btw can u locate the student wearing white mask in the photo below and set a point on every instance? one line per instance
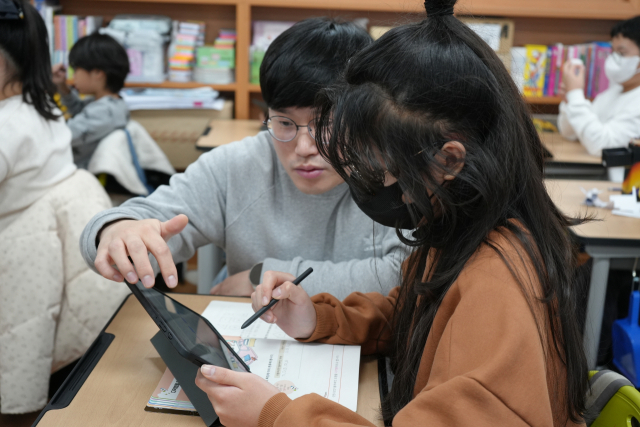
(613, 118)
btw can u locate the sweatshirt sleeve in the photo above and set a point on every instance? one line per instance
(200, 193)
(96, 120)
(375, 274)
(489, 367)
(592, 132)
(73, 102)
(565, 128)
(361, 319)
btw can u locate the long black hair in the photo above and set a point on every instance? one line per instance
(400, 101)
(25, 48)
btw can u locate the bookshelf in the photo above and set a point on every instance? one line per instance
(540, 22)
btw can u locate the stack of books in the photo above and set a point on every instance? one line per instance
(171, 99)
(187, 36)
(537, 69)
(216, 64)
(67, 29)
(264, 32)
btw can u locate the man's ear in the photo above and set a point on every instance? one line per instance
(453, 154)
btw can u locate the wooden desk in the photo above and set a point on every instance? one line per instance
(570, 159)
(118, 388)
(611, 236)
(225, 131)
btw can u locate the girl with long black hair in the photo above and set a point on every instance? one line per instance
(35, 143)
(431, 134)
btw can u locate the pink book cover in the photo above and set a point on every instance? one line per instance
(602, 82)
(82, 28)
(57, 34)
(170, 397)
(562, 57)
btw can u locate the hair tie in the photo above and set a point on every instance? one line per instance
(447, 11)
(9, 10)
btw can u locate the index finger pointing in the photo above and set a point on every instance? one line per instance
(160, 250)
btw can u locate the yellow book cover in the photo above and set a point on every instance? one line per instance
(534, 70)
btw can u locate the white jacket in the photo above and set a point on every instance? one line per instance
(611, 121)
(52, 305)
(113, 156)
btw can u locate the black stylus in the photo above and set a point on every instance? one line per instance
(273, 302)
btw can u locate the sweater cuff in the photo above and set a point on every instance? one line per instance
(575, 96)
(272, 264)
(272, 410)
(326, 325)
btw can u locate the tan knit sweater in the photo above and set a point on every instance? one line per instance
(484, 362)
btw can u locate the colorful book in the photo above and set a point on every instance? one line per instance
(534, 71)
(541, 74)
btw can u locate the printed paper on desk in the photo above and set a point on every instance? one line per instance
(297, 369)
(228, 317)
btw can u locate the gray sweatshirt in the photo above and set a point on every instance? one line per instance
(239, 197)
(92, 121)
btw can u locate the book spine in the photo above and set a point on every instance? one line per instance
(591, 70)
(56, 32)
(63, 33)
(603, 50)
(555, 50)
(535, 70)
(547, 73)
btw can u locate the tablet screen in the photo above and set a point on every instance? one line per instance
(192, 331)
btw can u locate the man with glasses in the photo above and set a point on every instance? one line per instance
(270, 201)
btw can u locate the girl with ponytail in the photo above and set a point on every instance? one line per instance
(431, 134)
(35, 142)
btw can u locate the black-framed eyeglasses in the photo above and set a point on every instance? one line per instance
(284, 129)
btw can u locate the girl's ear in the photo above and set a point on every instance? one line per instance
(453, 154)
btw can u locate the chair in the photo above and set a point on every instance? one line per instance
(612, 400)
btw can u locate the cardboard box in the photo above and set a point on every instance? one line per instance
(176, 131)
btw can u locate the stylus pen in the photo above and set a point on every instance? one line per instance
(273, 302)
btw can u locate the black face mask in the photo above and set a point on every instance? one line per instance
(386, 207)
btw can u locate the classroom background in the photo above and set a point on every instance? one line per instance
(194, 85)
(219, 45)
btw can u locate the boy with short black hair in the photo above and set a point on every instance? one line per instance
(270, 201)
(100, 66)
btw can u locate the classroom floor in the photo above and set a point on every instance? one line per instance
(24, 420)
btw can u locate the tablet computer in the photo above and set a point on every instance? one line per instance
(193, 337)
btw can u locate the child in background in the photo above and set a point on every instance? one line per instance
(100, 66)
(52, 306)
(35, 153)
(613, 119)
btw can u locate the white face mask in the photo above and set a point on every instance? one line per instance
(619, 69)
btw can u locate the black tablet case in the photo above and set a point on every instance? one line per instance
(185, 372)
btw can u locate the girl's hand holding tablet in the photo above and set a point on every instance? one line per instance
(295, 313)
(237, 397)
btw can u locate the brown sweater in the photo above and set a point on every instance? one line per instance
(483, 364)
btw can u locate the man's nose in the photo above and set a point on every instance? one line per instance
(305, 144)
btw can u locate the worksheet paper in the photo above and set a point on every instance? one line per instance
(294, 368)
(227, 317)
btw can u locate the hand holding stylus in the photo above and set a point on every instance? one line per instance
(294, 313)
